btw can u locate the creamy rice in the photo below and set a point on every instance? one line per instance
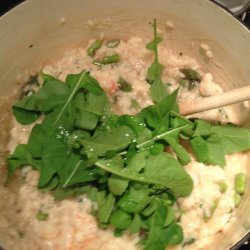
(70, 224)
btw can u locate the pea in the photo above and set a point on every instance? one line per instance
(237, 199)
(222, 186)
(112, 43)
(240, 183)
(42, 216)
(94, 47)
(108, 59)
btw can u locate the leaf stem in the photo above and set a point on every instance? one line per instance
(69, 99)
(72, 173)
(157, 137)
(155, 36)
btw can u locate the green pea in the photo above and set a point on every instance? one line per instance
(240, 183)
(222, 186)
(112, 43)
(108, 59)
(42, 216)
(237, 199)
(212, 210)
(94, 47)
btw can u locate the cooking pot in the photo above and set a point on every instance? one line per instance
(38, 32)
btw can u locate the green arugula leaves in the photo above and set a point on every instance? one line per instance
(158, 89)
(119, 162)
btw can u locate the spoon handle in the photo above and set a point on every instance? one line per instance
(207, 103)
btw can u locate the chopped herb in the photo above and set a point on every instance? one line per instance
(42, 216)
(188, 242)
(191, 78)
(91, 51)
(124, 85)
(135, 104)
(112, 43)
(223, 113)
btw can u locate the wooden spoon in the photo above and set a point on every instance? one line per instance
(207, 103)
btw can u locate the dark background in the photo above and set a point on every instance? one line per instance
(6, 5)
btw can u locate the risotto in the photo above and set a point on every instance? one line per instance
(31, 219)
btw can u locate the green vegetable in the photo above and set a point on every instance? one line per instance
(191, 78)
(42, 216)
(233, 139)
(108, 59)
(191, 74)
(112, 43)
(240, 183)
(158, 89)
(94, 47)
(135, 225)
(222, 186)
(237, 199)
(212, 210)
(119, 162)
(105, 209)
(124, 85)
(120, 219)
(135, 104)
(161, 169)
(188, 242)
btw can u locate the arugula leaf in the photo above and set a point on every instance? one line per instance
(21, 157)
(173, 234)
(64, 193)
(180, 151)
(117, 185)
(51, 95)
(200, 148)
(135, 225)
(233, 139)
(161, 169)
(25, 111)
(157, 116)
(158, 89)
(114, 139)
(54, 156)
(120, 219)
(38, 134)
(155, 240)
(203, 128)
(164, 170)
(208, 151)
(105, 209)
(134, 201)
(216, 154)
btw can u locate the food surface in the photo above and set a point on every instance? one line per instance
(133, 79)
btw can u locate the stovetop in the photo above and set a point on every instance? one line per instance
(243, 16)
